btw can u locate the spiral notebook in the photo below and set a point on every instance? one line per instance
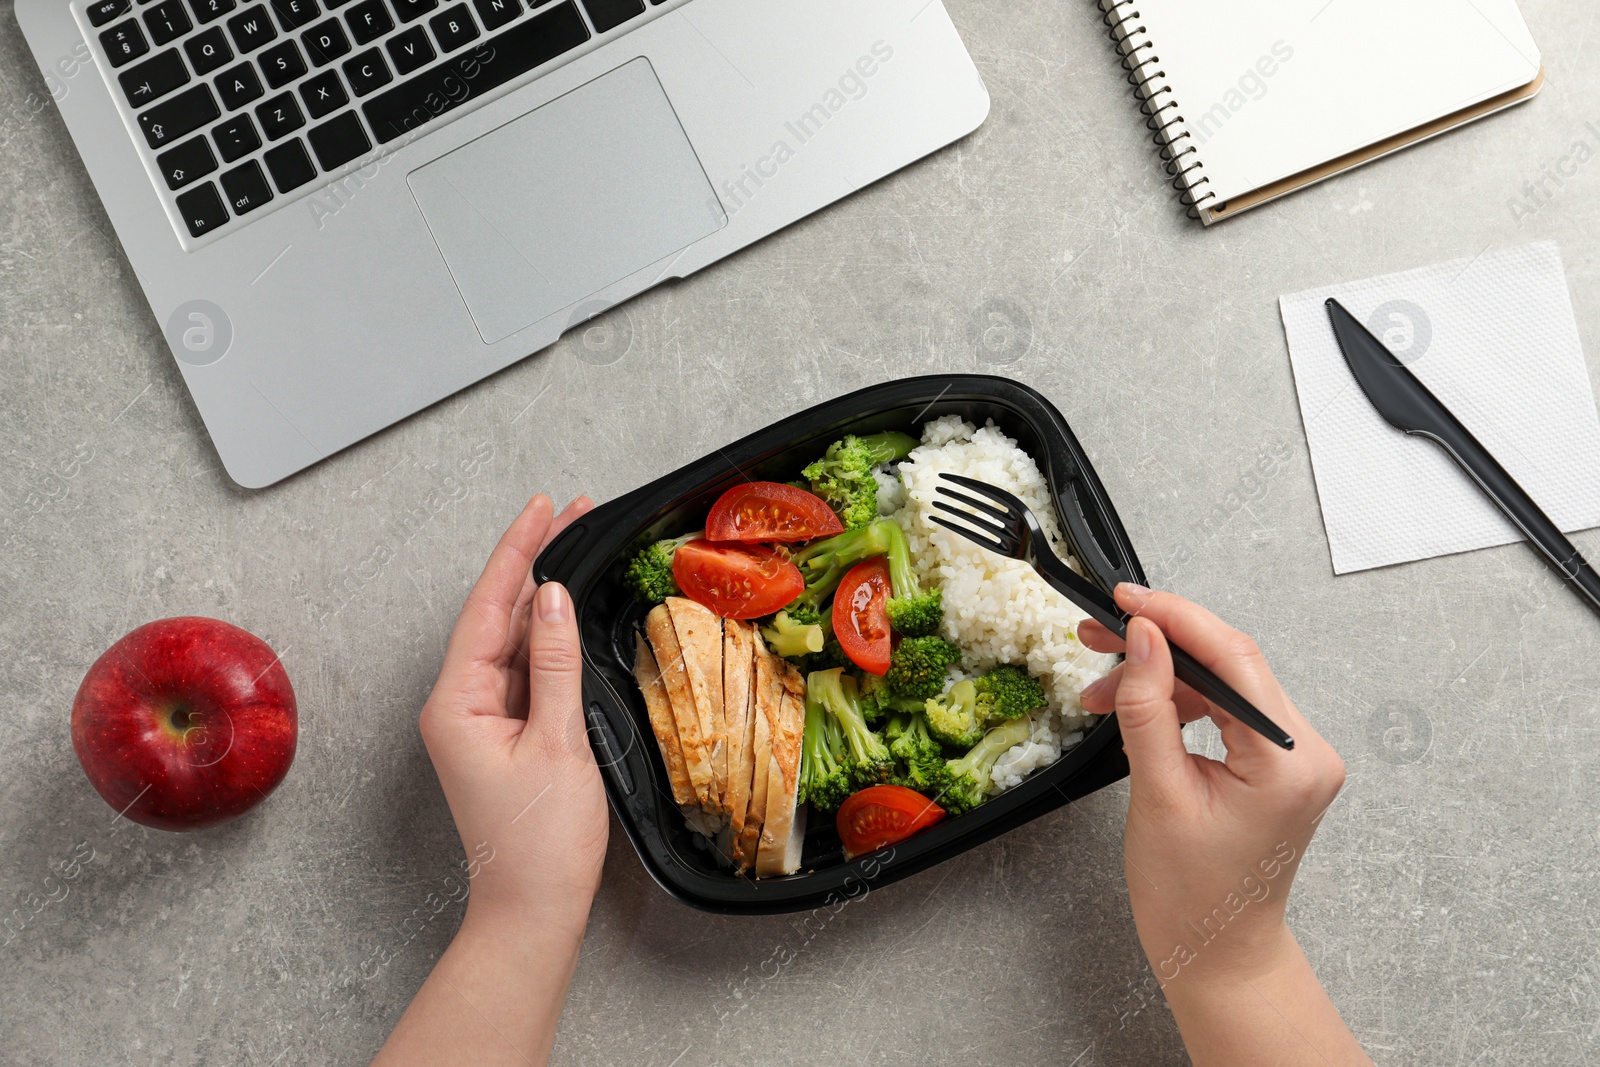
(1252, 99)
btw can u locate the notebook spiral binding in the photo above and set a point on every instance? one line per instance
(1158, 104)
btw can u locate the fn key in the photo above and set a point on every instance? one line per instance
(202, 210)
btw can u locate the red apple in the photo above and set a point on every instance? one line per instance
(185, 723)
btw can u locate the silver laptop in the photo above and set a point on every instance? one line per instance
(342, 211)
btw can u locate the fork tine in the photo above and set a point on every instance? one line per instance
(980, 505)
(987, 526)
(974, 536)
(993, 492)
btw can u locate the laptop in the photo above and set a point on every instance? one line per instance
(342, 211)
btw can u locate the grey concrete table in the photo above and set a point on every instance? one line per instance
(1447, 902)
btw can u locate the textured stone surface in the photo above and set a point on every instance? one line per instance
(1447, 901)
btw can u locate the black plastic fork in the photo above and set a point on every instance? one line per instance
(1003, 524)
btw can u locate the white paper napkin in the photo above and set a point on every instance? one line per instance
(1495, 339)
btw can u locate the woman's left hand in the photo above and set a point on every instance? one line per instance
(505, 730)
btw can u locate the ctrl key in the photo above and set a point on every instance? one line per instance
(202, 210)
(246, 187)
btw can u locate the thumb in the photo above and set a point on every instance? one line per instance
(1147, 715)
(555, 674)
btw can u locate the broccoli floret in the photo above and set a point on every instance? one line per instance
(843, 476)
(824, 781)
(911, 611)
(868, 760)
(953, 717)
(917, 616)
(962, 784)
(806, 616)
(824, 563)
(790, 638)
(896, 727)
(917, 668)
(919, 750)
(1008, 692)
(649, 574)
(874, 697)
(832, 654)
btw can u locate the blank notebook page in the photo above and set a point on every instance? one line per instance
(1344, 74)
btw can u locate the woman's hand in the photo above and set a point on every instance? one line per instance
(1211, 848)
(504, 727)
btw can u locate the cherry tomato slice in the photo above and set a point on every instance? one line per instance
(861, 617)
(882, 815)
(770, 511)
(736, 581)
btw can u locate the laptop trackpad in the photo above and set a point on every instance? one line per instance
(553, 206)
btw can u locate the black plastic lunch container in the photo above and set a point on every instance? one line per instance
(589, 558)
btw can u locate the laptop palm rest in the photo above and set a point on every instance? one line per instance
(566, 200)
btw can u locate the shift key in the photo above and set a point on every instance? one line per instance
(184, 113)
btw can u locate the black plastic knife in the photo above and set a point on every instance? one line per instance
(1407, 404)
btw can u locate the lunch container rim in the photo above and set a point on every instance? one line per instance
(588, 558)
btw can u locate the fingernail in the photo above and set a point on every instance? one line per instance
(1138, 651)
(1133, 589)
(1095, 689)
(551, 603)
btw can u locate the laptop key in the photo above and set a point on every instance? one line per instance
(208, 50)
(413, 9)
(236, 138)
(280, 116)
(104, 11)
(338, 141)
(496, 13)
(609, 14)
(246, 187)
(368, 21)
(289, 165)
(282, 64)
(507, 55)
(202, 210)
(210, 10)
(323, 94)
(410, 50)
(294, 14)
(325, 42)
(167, 21)
(154, 78)
(367, 72)
(186, 163)
(454, 27)
(124, 43)
(169, 120)
(251, 28)
(238, 86)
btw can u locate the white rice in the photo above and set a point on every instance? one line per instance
(999, 610)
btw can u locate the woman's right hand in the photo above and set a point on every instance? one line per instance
(1211, 848)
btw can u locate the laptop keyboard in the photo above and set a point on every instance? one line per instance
(238, 104)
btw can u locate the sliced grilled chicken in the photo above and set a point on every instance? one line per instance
(740, 645)
(670, 660)
(662, 722)
(699, 634)
(768, 692)
(783, 827)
